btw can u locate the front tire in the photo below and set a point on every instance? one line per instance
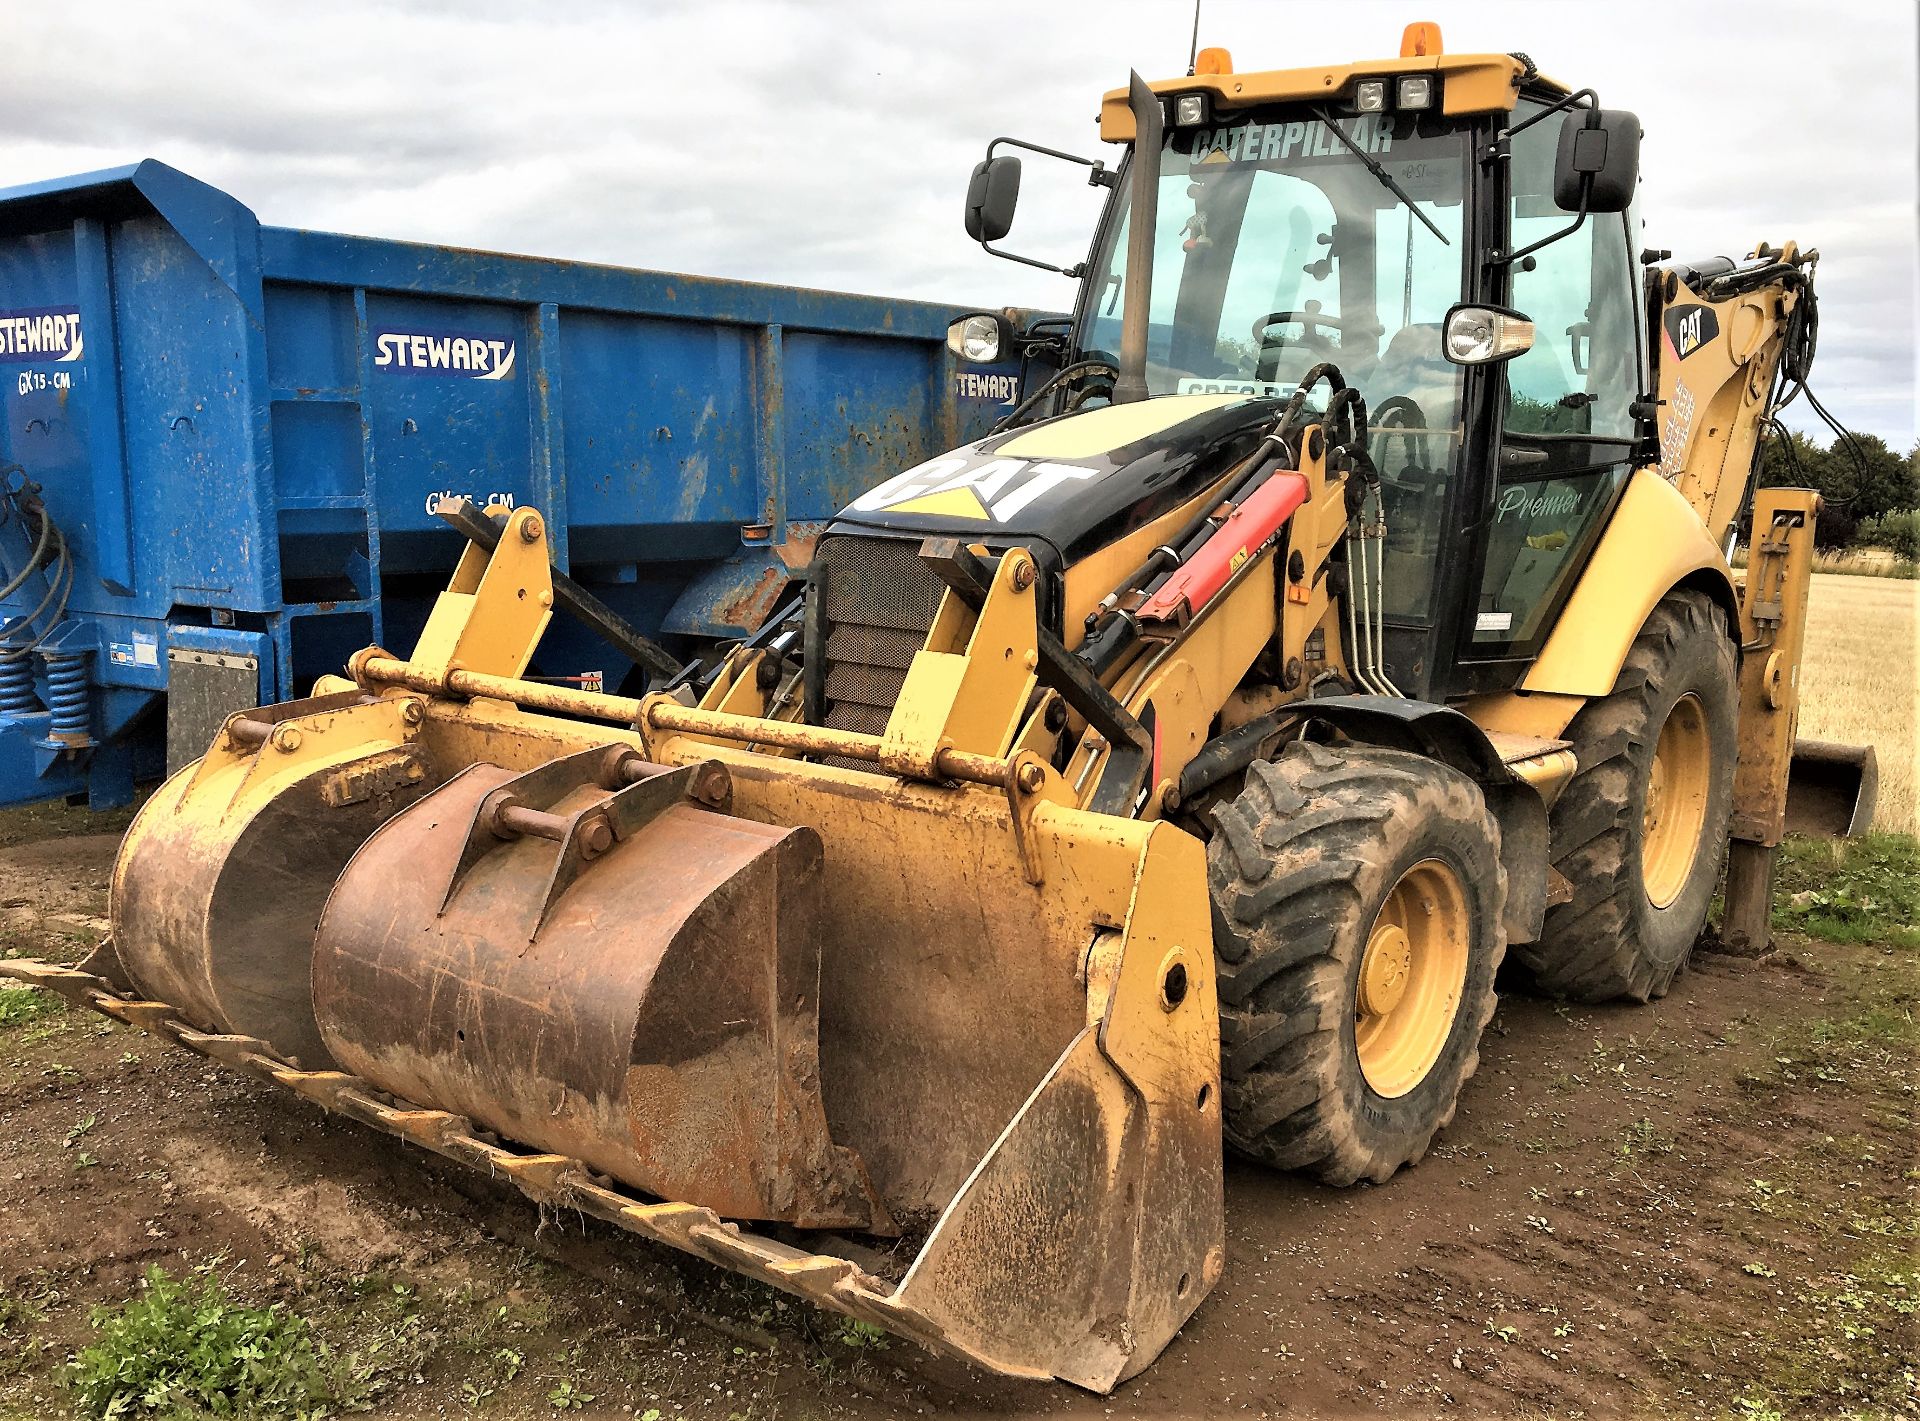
(1358, 899)
(1641, 831)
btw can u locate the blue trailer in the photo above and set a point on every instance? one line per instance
(224, 442)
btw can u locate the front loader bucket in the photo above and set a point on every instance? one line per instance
(750, 987)
(222, 875)
(668, 972)
(1832, 789)
(595, 959)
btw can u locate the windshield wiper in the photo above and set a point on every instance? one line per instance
(1386, 178)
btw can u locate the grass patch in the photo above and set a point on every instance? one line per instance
(1851, 1337)
(32, 823)
(1851, 890)
(188, 1348)
(20, 1006)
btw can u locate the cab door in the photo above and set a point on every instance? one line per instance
(1566, 435)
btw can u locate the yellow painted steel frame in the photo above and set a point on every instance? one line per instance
(1713, 395)
(495, 609)
(1183, 690)
(1774, 605)
(1672, 521)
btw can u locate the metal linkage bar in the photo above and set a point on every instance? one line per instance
(472, 522)
(819, 740)
(1131, 744)
(377, 669)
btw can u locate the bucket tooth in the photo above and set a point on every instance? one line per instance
(222, 876)
(594, 959)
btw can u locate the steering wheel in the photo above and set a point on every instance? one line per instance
(1312, 321)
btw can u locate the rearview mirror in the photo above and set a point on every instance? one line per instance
(991, 195)
(1598, 163)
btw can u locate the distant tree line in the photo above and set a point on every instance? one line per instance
(1869, 492)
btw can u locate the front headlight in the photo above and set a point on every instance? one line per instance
(975, 339)
(1189, 110)
(1478, 335)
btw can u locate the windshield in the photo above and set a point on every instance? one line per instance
(1276, 247)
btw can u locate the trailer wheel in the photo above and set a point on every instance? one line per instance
(1357, 902)
(1641, 831)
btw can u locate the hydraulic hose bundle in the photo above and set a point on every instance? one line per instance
(20, 502)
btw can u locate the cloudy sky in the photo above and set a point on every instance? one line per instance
(828, 144)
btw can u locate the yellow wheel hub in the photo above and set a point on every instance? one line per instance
(1383, 974)
(1412, 976)
(1675, 815)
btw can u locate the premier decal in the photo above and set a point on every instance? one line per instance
(40, 333)
(472, 357)
(1546, 504)
(970, 486)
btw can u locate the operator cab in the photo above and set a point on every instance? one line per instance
(1359, 226)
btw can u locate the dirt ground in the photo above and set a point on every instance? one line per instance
(1700, 1208)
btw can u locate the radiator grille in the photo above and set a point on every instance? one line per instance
(879, 601)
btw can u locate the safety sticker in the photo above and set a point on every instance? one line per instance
(1675, 431)
(143, 650)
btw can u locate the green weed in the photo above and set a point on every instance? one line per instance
(21, 1005)
(188, 1348)
(862, 1336)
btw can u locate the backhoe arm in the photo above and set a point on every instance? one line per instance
(1722, 333)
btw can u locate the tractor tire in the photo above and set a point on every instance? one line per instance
(1357, 923)
(1641, 830)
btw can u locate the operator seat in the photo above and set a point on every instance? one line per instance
(1414, 388)
(1412, 367)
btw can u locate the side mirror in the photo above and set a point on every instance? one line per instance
(1598, 164)
(991, 195)
(1485, 335)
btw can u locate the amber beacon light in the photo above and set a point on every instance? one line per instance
(1421, 40)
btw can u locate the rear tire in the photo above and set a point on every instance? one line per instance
(1352, 889)
(1641, 831)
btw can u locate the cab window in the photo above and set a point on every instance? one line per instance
(1569, 427)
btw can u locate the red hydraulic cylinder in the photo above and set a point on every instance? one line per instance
(1248, 529)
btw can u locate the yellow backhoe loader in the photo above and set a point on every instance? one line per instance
(1346, 603)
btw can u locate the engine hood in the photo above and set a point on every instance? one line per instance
(1076, 482)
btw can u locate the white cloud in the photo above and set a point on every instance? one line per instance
(829, 144)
